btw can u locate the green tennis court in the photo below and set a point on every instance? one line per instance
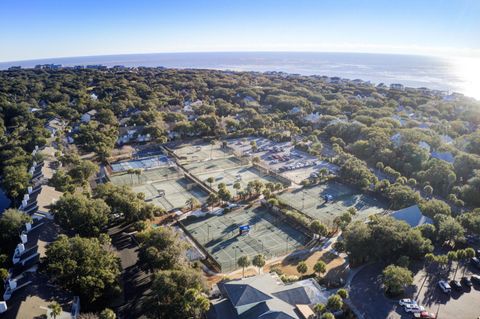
(166, 187)
(311, 201)
(269, 235)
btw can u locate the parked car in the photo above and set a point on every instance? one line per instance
(445, 286)
(475, 261)
(475, 279)
(455, 284)
(413, 308)
(425, 315)
(466, 281)
(408, 301)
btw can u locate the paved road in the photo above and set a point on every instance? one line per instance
(367, 295)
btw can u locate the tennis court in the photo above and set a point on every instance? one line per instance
(200, 152)
(143, 163)
(243, 175)
(311, 201)
(215, 165)
(147, 176)
(165, 186)
(171, 194)
(268, 235)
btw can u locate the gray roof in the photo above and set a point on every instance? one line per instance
(411, 215)
(241, 295)
(268, 296)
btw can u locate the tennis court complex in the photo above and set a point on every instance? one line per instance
(311, 201)
(200, 152)
(166, 187)
(268, 235)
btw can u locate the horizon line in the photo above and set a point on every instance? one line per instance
(213, 52)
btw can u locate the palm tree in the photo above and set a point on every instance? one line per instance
(55, 309)
(320, 267)
(210, 180)
(302, 267)
(243, 262)
(237, 186)
(212, 143)
(258, 261)
(192, 202)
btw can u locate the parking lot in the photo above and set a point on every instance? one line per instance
(367, 295)
(282, 158)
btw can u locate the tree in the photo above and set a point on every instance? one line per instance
(450, 230)
(243, 262)
(319, 308)
(224, 194)
(81, 215)
(212, 199)
(107, 314)
(334, 303)
(161, 248)
(192, 202)
(342, 293)
(433, 207)
(318, 228)
(320, 267)
(396, 278)
(82, 171)
(15, 180)
(55, 309)
(83, 266)
(210, 180)
(302, 267)
(328, 315)
(11, 222)
(237, 186)
(124, 202)
(428, 190)
(176, 292)
(258, 261)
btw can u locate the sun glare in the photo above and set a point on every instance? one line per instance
(468, 69)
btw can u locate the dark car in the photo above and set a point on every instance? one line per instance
(466, 281)
(475, 279)
(456, 285)
(475, 261)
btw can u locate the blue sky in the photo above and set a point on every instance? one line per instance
(32, 29)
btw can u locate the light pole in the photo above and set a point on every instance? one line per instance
(303, 200)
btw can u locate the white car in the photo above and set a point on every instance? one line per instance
(414, 308)
(404, 302)
(444, 286)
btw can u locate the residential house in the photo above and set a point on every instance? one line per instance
(444, 156)
(266, 296)
(397, 86)
(130, 134)
(88, 116)
(55, 125)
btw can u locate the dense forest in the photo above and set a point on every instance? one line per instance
(396, 131)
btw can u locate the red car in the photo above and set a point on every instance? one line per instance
(425, 315)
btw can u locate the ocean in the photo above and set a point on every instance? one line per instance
(410, 70)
